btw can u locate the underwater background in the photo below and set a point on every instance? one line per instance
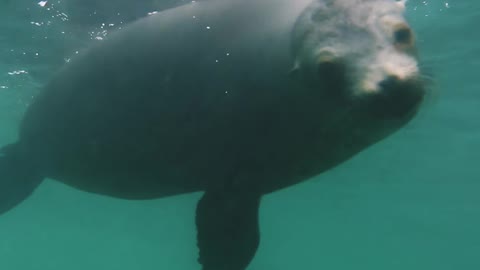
(411, 201)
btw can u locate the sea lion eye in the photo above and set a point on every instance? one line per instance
(403, 37)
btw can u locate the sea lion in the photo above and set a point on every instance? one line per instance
(87, 13)
(234, 98)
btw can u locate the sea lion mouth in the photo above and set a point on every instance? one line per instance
(393, 97)
(397, 98)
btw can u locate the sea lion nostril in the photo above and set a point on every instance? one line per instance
(389, 82)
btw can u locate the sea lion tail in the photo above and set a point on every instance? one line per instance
(18, 178)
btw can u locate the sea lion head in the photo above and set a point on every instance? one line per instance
(360, 55)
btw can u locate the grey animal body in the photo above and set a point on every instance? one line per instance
(95, 12)
(234, 98)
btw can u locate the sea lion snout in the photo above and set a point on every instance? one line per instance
(397, 97)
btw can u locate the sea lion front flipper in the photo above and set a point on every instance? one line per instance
(227, 230)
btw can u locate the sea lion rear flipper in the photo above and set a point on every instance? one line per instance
(18, 178)
(227, 230)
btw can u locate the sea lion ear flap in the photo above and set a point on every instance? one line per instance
(294, 72)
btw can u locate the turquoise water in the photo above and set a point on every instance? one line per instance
(409, 202)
